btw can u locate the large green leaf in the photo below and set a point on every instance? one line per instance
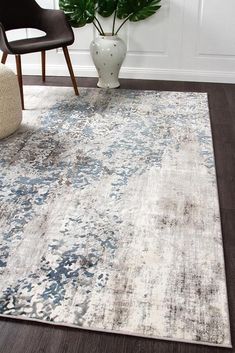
(106, 7)
(78, 12)
(137, 10)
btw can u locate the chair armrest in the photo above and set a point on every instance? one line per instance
(4, 46)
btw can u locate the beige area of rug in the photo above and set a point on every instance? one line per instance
(110, 216)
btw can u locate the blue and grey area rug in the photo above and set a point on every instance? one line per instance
(110, 217)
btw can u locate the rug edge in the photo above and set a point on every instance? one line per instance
(124, 333)
(225, 270)
(119, 89)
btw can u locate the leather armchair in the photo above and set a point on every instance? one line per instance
(17, 14)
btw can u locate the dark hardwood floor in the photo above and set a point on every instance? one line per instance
(25, 337)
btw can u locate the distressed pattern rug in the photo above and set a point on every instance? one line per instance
(110, 217)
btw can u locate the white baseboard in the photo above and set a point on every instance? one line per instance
(138, 73)
(179, 75)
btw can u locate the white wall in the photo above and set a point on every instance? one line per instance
(190, 40)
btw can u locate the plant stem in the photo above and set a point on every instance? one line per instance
(97, 28)
(114, 22)
(122, 24)
(101, 29)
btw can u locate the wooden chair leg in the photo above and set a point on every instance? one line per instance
(4, 58)
(68, 61)
(20, 79)
(43, 55)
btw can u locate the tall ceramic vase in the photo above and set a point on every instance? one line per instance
(108, 53)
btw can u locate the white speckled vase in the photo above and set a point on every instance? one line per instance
(108, 53)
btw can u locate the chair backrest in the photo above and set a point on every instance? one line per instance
(16, 14)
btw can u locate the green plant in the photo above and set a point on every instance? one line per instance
(81, 12)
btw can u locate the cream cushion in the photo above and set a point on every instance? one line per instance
(10, 103)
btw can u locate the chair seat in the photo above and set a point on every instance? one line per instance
(30, 45)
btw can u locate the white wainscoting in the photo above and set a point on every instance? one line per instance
(192, 40)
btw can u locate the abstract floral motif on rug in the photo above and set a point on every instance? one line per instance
(110, 217)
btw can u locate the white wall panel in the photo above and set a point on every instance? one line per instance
(185, 40)
(155, 43)
(216, 35)
(157, 30)
(209, 38)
